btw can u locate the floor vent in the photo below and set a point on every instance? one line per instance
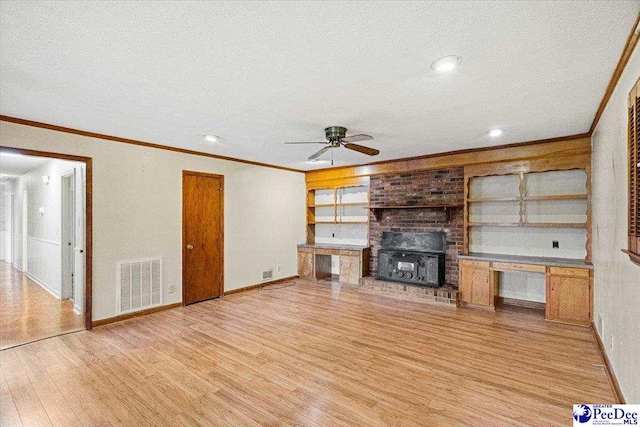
(139, 284)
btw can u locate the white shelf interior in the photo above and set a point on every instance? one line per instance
(343, 234)
(529, 241)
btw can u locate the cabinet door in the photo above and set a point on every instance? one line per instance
(569, 299)
(481, 292)
(475, 286)
(305, 265)
(466, 285)
(349, 269)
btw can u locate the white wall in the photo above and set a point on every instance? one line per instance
(44, 229)
(137, 210)
(617, 279)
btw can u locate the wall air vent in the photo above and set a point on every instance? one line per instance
(267, 275)
(139, 284)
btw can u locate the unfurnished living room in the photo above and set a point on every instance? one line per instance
(319, 213)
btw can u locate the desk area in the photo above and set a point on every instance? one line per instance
(314, 261)
(569, 283)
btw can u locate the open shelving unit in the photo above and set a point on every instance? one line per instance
(338, 214)
(539, 205)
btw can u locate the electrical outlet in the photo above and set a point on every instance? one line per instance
(172, 288)
(555, 244)
(268, 274)
(279, 269)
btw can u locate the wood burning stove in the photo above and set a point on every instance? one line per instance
(414, 258)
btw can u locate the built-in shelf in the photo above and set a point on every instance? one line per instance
(531, 198)
(331, 205)
(530, 224)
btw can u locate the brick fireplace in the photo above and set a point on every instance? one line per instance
(414, 189)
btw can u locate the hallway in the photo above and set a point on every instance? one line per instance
(29, 313)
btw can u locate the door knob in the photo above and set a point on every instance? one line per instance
(189, 247)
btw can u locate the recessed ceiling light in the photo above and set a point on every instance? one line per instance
(211, 138)
(446, 63)
(494, 133)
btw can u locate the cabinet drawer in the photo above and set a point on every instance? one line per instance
(327, 252)
(519, 267)
(350, 253)
(301, 249)
(573, 272)
(477, 264)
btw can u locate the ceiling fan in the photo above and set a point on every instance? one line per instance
(336, 138)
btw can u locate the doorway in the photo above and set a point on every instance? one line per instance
(54, 295)
(202, 236)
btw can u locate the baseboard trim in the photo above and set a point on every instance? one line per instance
(127, 316)
(43, 285)
(16, 266)
(259, 285)
(77, 310)
(610, 374)
(522, 303)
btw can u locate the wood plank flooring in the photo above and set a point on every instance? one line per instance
(28, 312)
(307, 355)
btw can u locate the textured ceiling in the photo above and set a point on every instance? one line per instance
(259, 74)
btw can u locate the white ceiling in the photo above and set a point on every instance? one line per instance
(259, 74)
(12, 165)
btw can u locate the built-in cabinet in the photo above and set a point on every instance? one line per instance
(314, 262)
(532, 217)
(569, 295)
(337, 231)
(476, 284)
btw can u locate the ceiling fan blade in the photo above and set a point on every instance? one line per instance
(357, 138)
(362, 149)
(319, 153)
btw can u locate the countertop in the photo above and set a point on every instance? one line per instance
(333, 246)
(536, 260)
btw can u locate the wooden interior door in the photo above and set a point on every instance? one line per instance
(202, 236)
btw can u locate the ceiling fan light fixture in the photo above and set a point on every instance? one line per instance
(494, 133)
(446, 63)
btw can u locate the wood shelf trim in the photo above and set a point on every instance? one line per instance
(330, 205)
(557, 197)
(530, 198)
(529, 224)
(634, 257)
(339, 222)
(494, 199)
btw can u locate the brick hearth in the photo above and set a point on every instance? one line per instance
(416, 188)
(447, 295)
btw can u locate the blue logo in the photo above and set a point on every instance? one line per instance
(582, 413)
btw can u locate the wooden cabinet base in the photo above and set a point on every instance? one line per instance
(569, 291)
(315, 263)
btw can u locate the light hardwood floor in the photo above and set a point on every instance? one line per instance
(310, 355)
(28, 312)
